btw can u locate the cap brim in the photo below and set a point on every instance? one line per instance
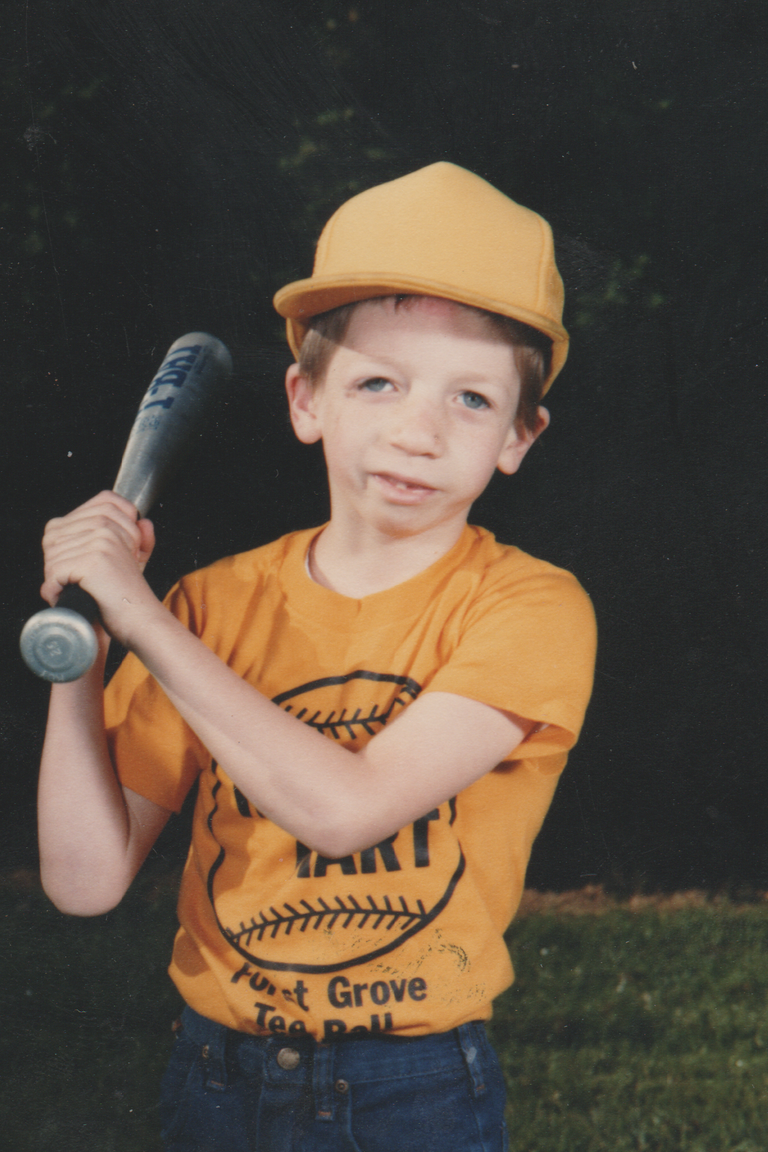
(300, 301)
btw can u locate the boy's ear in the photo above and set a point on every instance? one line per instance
(302, 406)
(518, 442)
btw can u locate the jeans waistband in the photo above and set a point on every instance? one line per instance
(324, 1067)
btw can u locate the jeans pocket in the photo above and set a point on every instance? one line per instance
(424, 1113)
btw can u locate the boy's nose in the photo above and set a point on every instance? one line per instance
(418, 430)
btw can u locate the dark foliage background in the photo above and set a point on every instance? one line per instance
(167, 165)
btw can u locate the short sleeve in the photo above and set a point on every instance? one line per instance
(527, 646)
(155, 752)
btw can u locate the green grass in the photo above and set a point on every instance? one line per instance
(630, 1030)
(638, 1030)
(86, 1007)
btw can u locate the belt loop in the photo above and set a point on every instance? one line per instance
(322, 1081)
(211, 1039)
(472, 1041)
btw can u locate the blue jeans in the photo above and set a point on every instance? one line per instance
(226, 1091)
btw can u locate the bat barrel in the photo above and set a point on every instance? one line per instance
(170, 416)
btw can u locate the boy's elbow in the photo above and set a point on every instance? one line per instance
(330, 846)
(338, 840)
(79, 897)
(77, 906)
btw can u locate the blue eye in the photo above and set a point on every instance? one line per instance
(474, 400)
(375, 384)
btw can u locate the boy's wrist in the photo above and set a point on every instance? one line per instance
(146, 625)
(87, 690)
(135, 617)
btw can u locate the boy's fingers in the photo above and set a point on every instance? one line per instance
(50, 592)
(69, 555)
(101, 545)
(146, 541)
(107, 505)
(109, 497)
(104, 530)
(106, 512)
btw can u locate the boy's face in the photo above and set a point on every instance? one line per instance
(416, 411)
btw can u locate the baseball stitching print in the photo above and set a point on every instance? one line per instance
(372, 722)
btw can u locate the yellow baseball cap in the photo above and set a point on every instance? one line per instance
(439, 231)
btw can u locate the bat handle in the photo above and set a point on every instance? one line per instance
(59, 644)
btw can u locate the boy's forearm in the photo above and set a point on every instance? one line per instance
(84, 825)
(332, 799)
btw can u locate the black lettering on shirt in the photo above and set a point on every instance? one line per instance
(340, 995)
(256, 980)
(337, 994)
(302, 859)
(346, 863)
(332, 1028)
(368, 857)
(376, 1026)
(299, 991)
(380, 993)
(387, 852)
(261, 1019)
(421, 838)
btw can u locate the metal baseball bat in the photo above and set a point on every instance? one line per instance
(59, 644)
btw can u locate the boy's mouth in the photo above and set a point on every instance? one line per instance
(402, 486)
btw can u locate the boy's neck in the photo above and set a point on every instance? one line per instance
(361, 564)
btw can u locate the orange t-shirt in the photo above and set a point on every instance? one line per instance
(406, 936)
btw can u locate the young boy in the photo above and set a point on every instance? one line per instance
(376, 710)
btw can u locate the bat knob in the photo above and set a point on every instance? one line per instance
(58, 644)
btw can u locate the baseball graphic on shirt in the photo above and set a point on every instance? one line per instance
(314, 914)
